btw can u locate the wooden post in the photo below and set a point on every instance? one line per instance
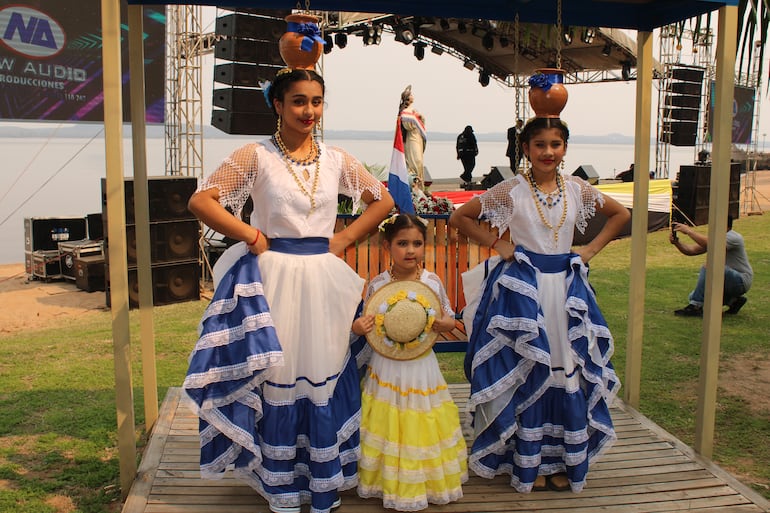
(116, 232)
(632, 386)
(715, 257)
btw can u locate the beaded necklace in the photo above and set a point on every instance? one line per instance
(314, 157)
(548, 199)
(560, 185)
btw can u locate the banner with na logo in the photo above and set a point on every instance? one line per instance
(51, 61)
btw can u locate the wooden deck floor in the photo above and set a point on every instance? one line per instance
(646, 470)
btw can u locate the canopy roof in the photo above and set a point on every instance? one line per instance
(643, 15)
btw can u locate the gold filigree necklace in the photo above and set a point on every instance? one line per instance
(562, 195)
(314, 157)
(415, 275)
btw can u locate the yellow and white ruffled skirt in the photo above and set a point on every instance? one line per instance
(412, 448)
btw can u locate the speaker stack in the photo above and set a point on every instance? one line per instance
(682, 106)
(247, 49)
(691, 193)
(174, 240)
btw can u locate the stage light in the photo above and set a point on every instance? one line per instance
(468, 64)
(444, 23)
(567, 36)
(436, 49)
(419, 50)
(625, 71)
(461, 28)
(607, 50)
(341, 40)
(528, 54)
(488, 42)
(405, 33)
(483, 78)
(328, 43)
(377, 34)
(587, 35)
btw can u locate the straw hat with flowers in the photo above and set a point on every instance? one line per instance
(404, 312)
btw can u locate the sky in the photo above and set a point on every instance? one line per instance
(364, 85)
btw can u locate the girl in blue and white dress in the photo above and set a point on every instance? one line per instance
(539, 353)
(272, 374)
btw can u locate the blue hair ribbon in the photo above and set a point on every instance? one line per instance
(310, 31)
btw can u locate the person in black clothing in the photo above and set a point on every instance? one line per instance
(467, 149)
(514, 151)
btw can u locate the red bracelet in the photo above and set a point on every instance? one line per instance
(256, 238)
(494, 243)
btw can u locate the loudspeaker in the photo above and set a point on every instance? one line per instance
(588, 173)
(167, 195)
(244, 74)
(688, 74)
(681, 133)
(686, 88)
(246, 26)
(243, 123)
(170, 241)
(690, 102)
(693, 187)
(248, 50)
(45, 233)
(681, 114)
(238, 99)
(171, 283)
(496, 175)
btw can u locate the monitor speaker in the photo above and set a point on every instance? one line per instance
(587, 173)
(496, 175)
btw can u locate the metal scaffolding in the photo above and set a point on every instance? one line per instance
(185, 46)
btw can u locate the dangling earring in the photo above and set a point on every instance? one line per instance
(561, 166)
(278, 124)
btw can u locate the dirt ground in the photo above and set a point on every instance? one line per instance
(37, 304)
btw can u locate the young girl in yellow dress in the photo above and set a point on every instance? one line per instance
(412, 448)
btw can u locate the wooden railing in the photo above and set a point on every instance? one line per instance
(447, 253)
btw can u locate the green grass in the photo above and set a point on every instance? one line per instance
(57, 401)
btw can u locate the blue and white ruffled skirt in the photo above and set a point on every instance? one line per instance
(539, 365)
(273, 377)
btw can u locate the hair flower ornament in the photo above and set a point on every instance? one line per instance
(386, 222)
(310, 31)
(265, 85)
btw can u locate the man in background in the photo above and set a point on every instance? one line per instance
(738, 271)
(514, 151)
(467, 149)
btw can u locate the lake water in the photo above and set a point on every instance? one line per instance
(61, 177)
